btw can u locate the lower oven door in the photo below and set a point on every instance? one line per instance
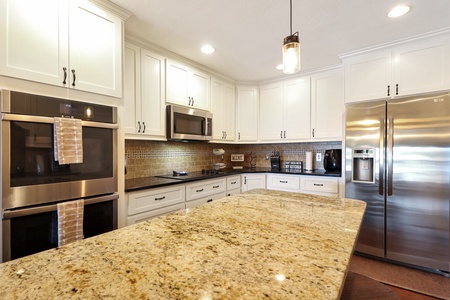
(31, 230)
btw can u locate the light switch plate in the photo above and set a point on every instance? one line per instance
(318, 156)
(237, 157)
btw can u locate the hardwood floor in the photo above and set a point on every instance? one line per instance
(408, 295)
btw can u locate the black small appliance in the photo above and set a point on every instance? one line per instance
(332, 160)
(275, 161)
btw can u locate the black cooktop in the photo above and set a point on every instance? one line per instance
(181, 175)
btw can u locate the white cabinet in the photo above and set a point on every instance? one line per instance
(144, 94)
(327, 105)
(284, 111)
(223, 109)
(233, 185)
(147, 204)
(71, 44)
(187, 86)
(409, 68)
(253, 181)
(247, 114)
(319, 185)
(205, 191)
(283, 182)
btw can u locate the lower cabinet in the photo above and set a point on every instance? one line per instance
(283, 182)
(233, 185)
(319, 185)
(253, 181)
(203, 200)
(151, 203)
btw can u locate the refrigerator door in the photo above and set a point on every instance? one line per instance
(365, 123)
(418, 178)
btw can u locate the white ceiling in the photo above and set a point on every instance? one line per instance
(248, 34)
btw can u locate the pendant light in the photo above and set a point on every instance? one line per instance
(291, 51)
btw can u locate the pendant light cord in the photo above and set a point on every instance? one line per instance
(291, 16)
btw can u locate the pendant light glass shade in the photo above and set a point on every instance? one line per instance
(291, 54)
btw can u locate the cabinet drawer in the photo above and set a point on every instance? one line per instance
(154, 213)
(233, 192)
(283, 182)
(203, 200)
(142, 201)
(233, 182)
(325, 185)
(205, 188)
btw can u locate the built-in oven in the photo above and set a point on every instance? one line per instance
(33, 182)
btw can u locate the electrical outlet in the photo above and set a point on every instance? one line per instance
(267, 155)
(318, 156)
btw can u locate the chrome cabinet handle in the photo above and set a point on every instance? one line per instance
(65, 75)
(162, 198)
(74, 77)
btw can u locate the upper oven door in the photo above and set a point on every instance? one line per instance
(30, 174)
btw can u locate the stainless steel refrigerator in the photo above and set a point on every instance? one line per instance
(398, 161)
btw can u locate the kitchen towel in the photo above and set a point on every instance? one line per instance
(70, 221)
(68, 141)
(309, 161)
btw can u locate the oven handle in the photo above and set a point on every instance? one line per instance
(9, 214)
(49, 120)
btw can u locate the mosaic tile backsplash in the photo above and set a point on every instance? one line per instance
(150, 158)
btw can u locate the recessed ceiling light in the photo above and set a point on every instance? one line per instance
(207, 49)
(398, 11)
(280, 67)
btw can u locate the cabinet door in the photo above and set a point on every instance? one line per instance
(297, 109)
(95, 49)
(253, 181)
(199, 89)
(218, 108)
(152, 94)
(37, 49)
(422, 67)
(327, 103)
(368, 76)
(288, 183)
(271, 109)
(247, 114)
(230, 108)
(132, 89)
(177, 83)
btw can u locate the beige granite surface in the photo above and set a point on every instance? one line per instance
(257, 245)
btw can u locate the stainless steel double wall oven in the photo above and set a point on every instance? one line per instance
(33, 182)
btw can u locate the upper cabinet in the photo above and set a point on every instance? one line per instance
(72, 44)
(247, 114)
(410, 68)
(223, 109)
(327, 105)
(144, 103)
(284, 111)
(187, 86)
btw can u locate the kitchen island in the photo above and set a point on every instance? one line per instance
(255, 245)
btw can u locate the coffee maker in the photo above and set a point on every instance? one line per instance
(332, 160)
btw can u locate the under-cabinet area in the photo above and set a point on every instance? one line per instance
(151, 202)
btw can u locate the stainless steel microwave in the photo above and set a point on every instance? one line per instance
(185, 123)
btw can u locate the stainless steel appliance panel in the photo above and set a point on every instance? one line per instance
(364, 129)
(418, 178)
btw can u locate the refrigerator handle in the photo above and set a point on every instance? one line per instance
(381, 170)
(390, 154)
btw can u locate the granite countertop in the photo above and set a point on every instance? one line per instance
(255, 245)
(135, 184)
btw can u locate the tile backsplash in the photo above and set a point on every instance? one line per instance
(150, 158)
